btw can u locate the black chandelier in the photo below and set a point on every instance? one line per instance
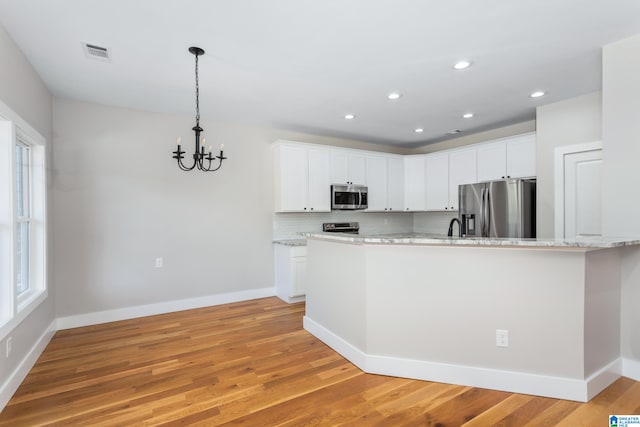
(200, 154)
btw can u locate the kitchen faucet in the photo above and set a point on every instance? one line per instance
(450, 232)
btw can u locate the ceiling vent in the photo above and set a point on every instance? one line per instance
(93, 51)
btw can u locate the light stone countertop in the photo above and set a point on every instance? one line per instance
(291, 242)
(431, 239)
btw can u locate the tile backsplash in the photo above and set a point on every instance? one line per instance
(288, 225)
(433, 222)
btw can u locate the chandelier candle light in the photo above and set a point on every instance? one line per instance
(200, 154)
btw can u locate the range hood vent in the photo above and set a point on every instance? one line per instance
(96, 52)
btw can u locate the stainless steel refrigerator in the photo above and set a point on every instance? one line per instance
(505, 208)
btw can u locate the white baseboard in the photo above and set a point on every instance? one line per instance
(15, 379)
(495, 379)
(631, 369)
(603, 378)
(347, 350)
(96, 318)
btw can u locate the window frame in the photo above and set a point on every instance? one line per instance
(15, 308)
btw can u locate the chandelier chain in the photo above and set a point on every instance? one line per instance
(197, 95)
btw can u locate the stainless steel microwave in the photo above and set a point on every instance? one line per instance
(348, 197)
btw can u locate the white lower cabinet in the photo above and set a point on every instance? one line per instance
(290, 272)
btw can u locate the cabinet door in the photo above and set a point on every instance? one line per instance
(437, 182)
(357, 169)
(462, 170)
(298, 275)
(395, 184)
(339, 167)
(377, 183)
(294, 183)
(521, 157)
(492, 161)
(348, 168)
(414, 183)
(319, 185)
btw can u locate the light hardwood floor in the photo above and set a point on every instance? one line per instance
(252, 364)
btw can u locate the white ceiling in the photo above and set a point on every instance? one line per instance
(303, 64)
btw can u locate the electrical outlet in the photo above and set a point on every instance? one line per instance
(159, 262)
(9, 346)
(502, 338)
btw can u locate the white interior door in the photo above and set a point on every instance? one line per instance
(579, 211)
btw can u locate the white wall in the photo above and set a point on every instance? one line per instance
(572, 121)
(621, 175)
(121, 201)
(23, 91)
(621, 137)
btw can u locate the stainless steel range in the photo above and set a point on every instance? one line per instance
(341, 227)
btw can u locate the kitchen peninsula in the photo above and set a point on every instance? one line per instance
(432, 308)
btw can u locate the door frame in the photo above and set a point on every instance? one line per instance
(559, 181)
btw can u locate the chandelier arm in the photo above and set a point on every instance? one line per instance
(183, 167)
(201, 159)
(178, 155)
(219, 164)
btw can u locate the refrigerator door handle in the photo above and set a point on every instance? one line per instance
(486, 223)
(487, 213)
(482, 213)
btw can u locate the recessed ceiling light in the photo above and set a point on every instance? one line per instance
(453, 132)
(461, 65)
(537, 94)
(394, 95)
(349, 116)
(419, 130)
(467, 115)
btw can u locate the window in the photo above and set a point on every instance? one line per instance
(22, 220)
(23, 203)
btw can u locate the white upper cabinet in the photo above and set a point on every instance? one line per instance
(319, 182)
(385, 183)
(492, 161)
(462, 170)
(513, 157)
(437, 182)
(427, 182)
(293, 169)
(348, 167)
(395, 183)
(414, 183)
(521, 156)
(444, 173)
(302, 179)
(377, 183)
